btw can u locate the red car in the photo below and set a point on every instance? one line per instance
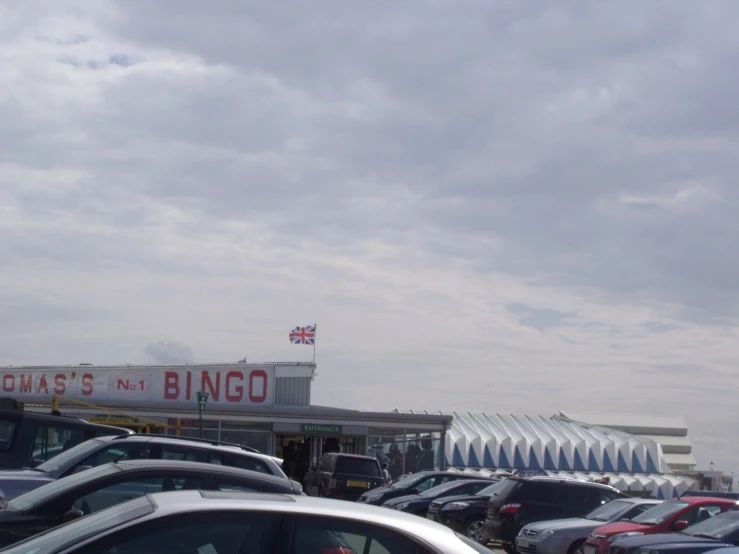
(668, 517)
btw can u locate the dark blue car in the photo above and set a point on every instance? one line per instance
(419, 503)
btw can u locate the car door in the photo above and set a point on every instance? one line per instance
(212, 532)
(697, 514)
(319, 535)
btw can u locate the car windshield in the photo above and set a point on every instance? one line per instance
(410, 482)
(661, 512)
(63, 460)
(718, 527)
(42, 495)
(493, 489)
(74, 532)
(441, 489)
(608, 511)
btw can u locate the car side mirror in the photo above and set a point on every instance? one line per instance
(71, 515)
(80, 469)
(680, 525)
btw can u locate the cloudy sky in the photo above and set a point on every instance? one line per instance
(511, 207)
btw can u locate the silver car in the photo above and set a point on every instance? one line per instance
(567, 536)
(211, 522)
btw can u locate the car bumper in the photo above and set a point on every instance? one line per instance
(593, 547)
(501, 531)
(526, 545)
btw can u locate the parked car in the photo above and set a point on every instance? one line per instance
(418, 504)
(527, 500)
(670, 516)
(103, 450)
(343, 476)
(99, 488)
(413, 484)
(567, 536)
(210, 522)
(464, 513)
(28, 439)
(720, 531)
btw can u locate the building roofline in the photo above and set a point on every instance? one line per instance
(173, 366)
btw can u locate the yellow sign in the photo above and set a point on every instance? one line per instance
(113, 420)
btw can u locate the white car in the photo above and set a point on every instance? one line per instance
(214, 522)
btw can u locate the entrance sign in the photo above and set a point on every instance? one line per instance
(312, 429)
(165, 386)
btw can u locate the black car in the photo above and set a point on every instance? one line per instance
(419, 503)
(526, 500)
(101, 487)
(464, 513)
(413, 484)
(28, 439)
(343, 476)
(719, 531)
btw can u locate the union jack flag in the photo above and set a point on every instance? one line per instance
(303, 335)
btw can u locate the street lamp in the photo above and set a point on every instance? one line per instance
(202, 401)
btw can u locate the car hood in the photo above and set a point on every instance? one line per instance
(569, 523)
(663, 538)
(462, 498)
(15, 482)
(621, 527)
(407, 498)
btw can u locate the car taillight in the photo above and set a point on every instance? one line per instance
(509, 508)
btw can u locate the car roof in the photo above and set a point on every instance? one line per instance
(170, 503)
(708, 499)
(179, 465)
(163, 439)
(566, 482)
(345, 455)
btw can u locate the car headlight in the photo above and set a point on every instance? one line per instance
(455, 506)
(402, 506)
(374, 497)
(546, 533)
(616, 538)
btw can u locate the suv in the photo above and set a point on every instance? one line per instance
(104, 450)
(670, 516)
(344, 476)
(526, 500)
(28, 439)
(413, 484)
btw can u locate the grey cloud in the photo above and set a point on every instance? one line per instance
(166, 352)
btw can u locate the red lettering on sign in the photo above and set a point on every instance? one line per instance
(258, 386)
(26, 385)
(42, 384)
(188, 386)
(87, 380)
(171, 385)
(215, 391)
(238, 390)
(59, 385)
(8, 383)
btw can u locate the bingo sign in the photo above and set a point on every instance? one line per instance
(227, 386)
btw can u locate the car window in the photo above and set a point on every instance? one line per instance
(321, 535)
(424, 484)
(357, 466)
(698, 515)
(117, 453)
(7, 430)
(130, 489)
(52, 441)
(247, 462)
(659, 513)
(184, 454)
(231, 486)
(205, 533)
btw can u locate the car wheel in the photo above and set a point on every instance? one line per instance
(577, 548)
(474, 531)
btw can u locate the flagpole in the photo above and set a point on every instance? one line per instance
(315, 337)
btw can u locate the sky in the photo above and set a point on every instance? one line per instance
(504, 207)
